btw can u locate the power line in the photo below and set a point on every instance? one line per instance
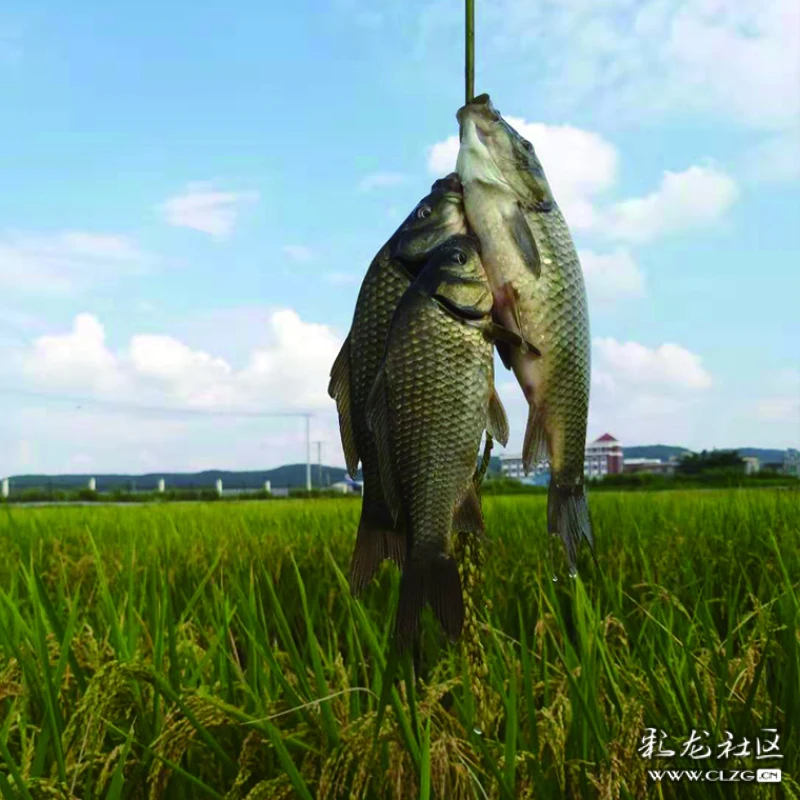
(136, 408)
(146, 410)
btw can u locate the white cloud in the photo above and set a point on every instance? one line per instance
(734, 59)
(79, 359)
(205, 209)
(636, 364)
(296, 366)
(611, 276)
(282, 367)
(581, 166)
(381, 180)
(442, 157)
(739, 57)
(191, 376)
(639, 394)
(298, 252)
(647, 395)
(694, 198)
(290, 370)
(67, 261)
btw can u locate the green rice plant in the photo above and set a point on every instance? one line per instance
(190, 650)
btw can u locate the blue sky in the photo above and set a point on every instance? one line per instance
(192, 194)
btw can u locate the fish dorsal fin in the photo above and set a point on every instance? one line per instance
(468, 516)
(525, 240)
(339, 390)
(377, 413)
(497, 420)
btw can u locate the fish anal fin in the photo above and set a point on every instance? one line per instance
(468, 516)
(339, 390)
(377, 539)
(497, 420)
(534, 446)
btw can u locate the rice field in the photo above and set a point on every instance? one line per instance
(213, 650)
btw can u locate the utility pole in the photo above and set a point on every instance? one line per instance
(308, 452)
(319, 462)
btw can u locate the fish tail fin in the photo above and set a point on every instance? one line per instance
(378, 538)
(568, 516)
(438, 584)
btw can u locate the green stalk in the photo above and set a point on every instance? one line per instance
(469, 72)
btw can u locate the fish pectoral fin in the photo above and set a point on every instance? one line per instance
(378, 423)
(339, 390)
(499, 334)
(534, 446)
(525, 240)
(468, 516)
(504, 351)
(497, 420)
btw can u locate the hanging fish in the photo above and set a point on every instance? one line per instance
(435, 219)
(539, 292)
(432, 400)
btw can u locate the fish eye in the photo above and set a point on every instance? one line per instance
(423, 212)
(527, 145)
(459, 257)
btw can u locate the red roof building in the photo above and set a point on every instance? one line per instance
(603, 457)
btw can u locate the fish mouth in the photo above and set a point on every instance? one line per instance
(481, 111)
(451, 184)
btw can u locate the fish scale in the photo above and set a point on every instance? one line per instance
(439, 376)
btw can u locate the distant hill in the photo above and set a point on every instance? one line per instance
(661, 451)
(294, 475)
(289, 475)
(664, 452)
(764, 455)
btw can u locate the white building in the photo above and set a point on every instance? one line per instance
(511, 467)
(751, 465)
(603, 457)
(653, 466)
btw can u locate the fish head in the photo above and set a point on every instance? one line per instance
(455, 276)
(436, 218)
(493, 152)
